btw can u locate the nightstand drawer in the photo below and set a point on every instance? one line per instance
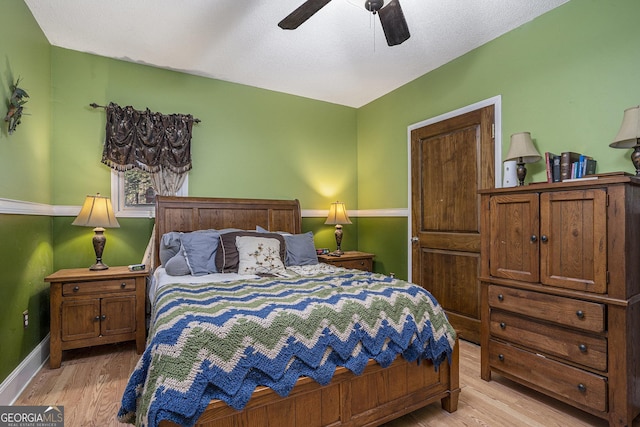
(358, 264)
(350, 259)
(582, 349)
(585, 315)
(101, 286)
(573, 384)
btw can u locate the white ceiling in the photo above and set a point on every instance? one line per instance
(336, 56)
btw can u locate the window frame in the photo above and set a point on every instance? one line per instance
(118, 198)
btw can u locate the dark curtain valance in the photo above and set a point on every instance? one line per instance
(146, 140)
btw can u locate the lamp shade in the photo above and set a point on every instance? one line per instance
(96, 212)
(522, 147)
(629, 132)
(337, 214)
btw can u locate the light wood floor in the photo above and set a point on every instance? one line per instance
(91, 381)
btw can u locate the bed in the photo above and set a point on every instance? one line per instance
(335, 396)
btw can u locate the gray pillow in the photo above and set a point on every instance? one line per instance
(169, 246)
(199, 248)
(300, 249)
(177, 266)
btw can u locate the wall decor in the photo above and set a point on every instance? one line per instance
(16, 105)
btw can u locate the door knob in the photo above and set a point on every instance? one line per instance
(415, 239)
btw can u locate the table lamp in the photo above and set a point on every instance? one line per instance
(338, 216)
(522, 151)
(629, 135)
(97, 212)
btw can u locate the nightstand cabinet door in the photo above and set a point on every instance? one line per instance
(118, 315)
(81, 319)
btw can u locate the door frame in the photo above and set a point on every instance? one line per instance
(496, 101)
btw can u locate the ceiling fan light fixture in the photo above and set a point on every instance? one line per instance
(374, 6)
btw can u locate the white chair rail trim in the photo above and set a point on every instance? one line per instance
(18, 207)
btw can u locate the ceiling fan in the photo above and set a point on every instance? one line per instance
(392, 19)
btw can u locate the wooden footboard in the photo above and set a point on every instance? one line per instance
(377, 396)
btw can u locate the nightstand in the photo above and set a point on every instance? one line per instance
(96, 307)
(350, 259)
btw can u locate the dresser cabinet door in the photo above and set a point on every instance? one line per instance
(573, 236)
(514, 237)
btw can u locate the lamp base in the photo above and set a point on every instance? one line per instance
(635, 159)
(338, 234)
(99, 240)
(521, 171)
(99, 266)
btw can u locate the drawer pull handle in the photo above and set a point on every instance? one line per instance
(533, 238)
(501, 357)
(503, 325)
(583, 348)
(580, 314)
(582, 388)
(123, 285)
(76, 288)
(544, 238)
(500, 297)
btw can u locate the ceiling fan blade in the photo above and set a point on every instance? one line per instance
(301, 14)
(393, 23)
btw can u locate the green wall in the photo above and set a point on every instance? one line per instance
(566, 77)
(250, 143)
(25, 240)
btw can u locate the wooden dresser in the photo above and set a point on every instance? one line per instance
(560, 291)
(96, 307)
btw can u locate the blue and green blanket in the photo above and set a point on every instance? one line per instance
(222, 340)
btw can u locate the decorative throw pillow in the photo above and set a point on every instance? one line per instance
(301, 249)
(227, 257)
(169, 246)
(199, 249)
(177, 266)
(259, 255)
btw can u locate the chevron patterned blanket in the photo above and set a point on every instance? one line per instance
(222, 340)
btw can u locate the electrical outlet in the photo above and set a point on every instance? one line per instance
(25, 318)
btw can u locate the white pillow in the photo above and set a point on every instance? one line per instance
(259, 255)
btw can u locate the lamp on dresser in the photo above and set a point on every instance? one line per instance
(338, 216)
(629, 135)
(97, 212)
(522, 151)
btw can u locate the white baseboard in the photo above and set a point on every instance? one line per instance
(18, 380)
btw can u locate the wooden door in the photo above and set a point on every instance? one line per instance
(450, 161)
(573, 233)
(513, 251)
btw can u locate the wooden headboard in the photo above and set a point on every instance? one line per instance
(200, 213)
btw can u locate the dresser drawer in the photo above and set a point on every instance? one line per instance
(98, 286)
(585, 315)
(582, 349)
(576, 385)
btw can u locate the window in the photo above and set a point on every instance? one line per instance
(133, 195)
